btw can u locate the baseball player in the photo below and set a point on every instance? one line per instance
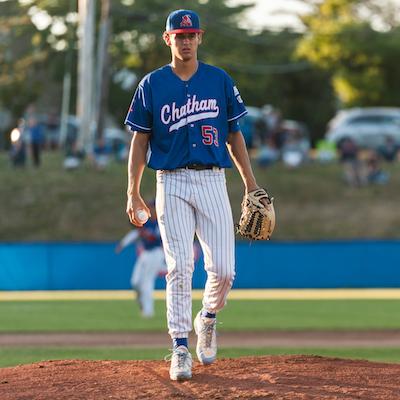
(149, 264)
(184, 116)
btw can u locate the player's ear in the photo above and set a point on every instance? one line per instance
(200, 37)
(167, 39)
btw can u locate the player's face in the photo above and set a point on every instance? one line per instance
(183, 45)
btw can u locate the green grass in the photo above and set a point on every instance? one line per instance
(254, 315)
(239, 315)
(26, 355)
(311, 202)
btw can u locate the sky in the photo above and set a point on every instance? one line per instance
(270, 12)
(278, 14)
(273, 14)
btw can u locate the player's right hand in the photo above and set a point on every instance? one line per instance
(133, 204)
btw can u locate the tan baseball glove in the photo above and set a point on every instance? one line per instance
(257, 222)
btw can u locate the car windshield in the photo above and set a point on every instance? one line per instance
(375, 119)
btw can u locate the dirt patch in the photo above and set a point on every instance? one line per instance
(386, 338)
(283, 377)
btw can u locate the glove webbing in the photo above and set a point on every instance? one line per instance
(256, 224)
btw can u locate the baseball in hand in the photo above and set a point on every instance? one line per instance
(141, 216)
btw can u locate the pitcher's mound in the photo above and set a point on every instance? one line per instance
(282, 377)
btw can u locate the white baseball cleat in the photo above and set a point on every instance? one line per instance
(181, 364)
(206, 348)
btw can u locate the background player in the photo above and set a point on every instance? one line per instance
(186, 114)
(149, 264)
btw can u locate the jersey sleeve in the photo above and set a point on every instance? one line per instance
(236, 108)
(140, 115)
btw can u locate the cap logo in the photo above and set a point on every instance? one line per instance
(186, 20)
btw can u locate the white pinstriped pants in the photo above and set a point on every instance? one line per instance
(189, 202)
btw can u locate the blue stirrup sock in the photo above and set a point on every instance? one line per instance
(176, 342)
(205, 313)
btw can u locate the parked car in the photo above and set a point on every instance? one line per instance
(367, 127)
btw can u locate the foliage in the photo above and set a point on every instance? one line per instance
(361, 59)
(15, 57)
(262, 64)
(270, 74)
(25, 52)
(349, 50)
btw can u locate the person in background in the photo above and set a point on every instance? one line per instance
(375, 173)
(389, 150)
(149, 264)
(101, 154)
(52, 126)
(261, 132)
(274, 120)
(18, 145)
(348, 153)
(267, 154)
(36, 139)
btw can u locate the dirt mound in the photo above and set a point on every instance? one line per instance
(283, 377)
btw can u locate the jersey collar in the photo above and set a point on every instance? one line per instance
(197, 72)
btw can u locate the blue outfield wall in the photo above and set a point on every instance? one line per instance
(339, 264)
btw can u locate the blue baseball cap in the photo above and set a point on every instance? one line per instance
(183, 21)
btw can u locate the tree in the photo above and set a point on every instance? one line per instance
(25, 52)
(269, 73)
(358, 47)
(263, 65)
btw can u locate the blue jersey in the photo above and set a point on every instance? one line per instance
(149, 234)
(188, 121)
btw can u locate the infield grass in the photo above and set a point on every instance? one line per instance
(26, 355)
(239, 315)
